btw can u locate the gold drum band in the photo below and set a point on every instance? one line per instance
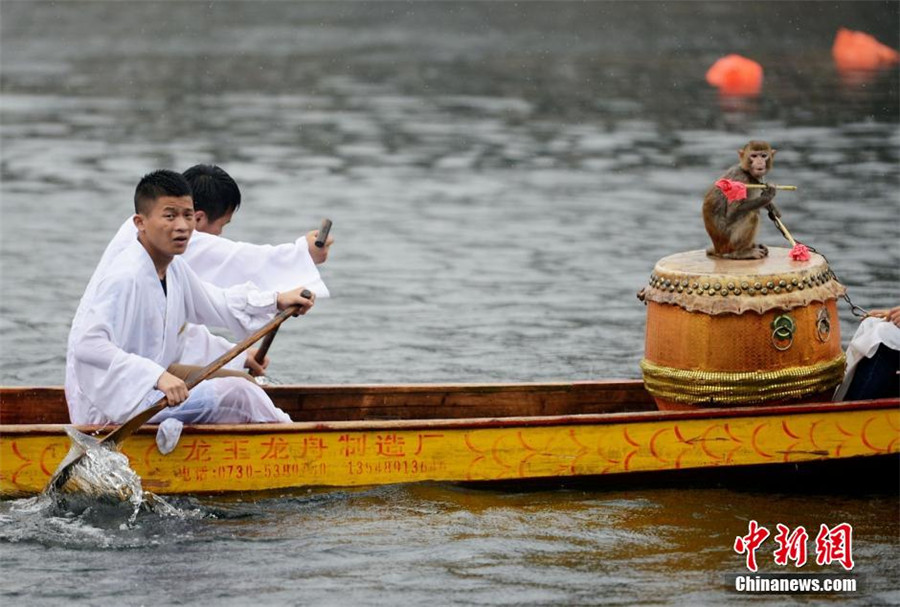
(728, 343)
(722, 389)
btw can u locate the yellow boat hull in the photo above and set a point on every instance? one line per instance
(336, 454)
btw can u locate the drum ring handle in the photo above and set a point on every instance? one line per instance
(823, 325)
(783, 328)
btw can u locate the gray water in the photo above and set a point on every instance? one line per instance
(502, 178)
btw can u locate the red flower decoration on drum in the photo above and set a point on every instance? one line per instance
(733, 190)
(800, 252)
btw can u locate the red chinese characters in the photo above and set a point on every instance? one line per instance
(791, 546)
(750, 543)
(833, 544)
(352, 445)
(276, 448)
(390, 445)
(198, 451)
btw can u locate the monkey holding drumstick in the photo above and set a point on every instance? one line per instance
(731, 210)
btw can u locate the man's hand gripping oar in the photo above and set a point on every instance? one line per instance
(111, 440)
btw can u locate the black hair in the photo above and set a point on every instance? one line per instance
(215, 192)
(157, 184)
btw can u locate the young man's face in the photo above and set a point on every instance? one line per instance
(166, 230)
(213, 227)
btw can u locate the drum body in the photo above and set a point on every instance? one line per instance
(725, 333)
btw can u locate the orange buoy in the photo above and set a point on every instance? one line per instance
(736, 75)
(732, 333)
(859, 51)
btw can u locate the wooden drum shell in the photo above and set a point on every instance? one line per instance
(722, 346)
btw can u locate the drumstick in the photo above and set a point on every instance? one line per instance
(760, 186)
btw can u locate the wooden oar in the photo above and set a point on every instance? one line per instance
(270, 337)
(128, 428)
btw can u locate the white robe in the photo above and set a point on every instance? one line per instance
(226, 263)
(131, 331)
(222, 262)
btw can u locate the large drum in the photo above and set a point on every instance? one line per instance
(724, 333)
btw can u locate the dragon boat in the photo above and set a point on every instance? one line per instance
(741, 359)
(380, 434)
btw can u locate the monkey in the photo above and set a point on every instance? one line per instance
(732, 226)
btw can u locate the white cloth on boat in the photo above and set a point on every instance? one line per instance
(132, 331)
(872, 332)
(168, 434)
(221, 400)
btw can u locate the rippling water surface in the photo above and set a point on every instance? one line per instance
(502, 178)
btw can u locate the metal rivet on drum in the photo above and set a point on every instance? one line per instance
(794, 282)
(770, 284)
(684, 283)
(745, 286)
(690, 291)
(737, 291)
(789, 288)
(757, 286)
(781, 283)
(724, 293)
(764, 291)
(731, 286)
(751, 291)
(801, 286)
(717, 286)
(668, 282)
(705, 286)
(776, 290)
(694, 285)
(680, 288)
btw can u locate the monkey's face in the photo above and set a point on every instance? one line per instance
(757, 162)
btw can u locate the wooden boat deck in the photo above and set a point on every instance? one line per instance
(386, 402)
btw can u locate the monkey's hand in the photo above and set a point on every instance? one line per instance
(774, 213)
(767, 194)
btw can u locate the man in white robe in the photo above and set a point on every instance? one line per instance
(131, 332)
(222, 262)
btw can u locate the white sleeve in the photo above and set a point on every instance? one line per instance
(225, 263)
(241, 309)
(114, 380)
(202, 347)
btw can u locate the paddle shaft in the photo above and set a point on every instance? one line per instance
(322, 236)
(264, 346)
(270, 336)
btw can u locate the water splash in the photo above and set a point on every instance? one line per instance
(101, 473)
(102, 477)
